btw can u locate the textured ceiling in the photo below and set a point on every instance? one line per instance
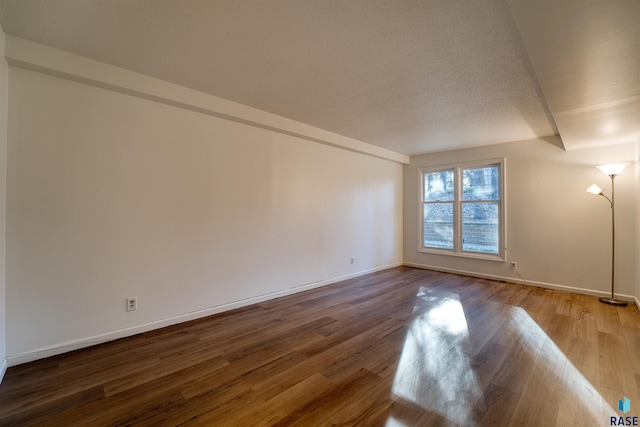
(410, 76)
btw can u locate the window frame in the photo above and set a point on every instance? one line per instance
(458, 201)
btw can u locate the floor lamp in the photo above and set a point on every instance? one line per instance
(612, 170)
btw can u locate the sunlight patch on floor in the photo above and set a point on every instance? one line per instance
(434, 371)
(558, 369)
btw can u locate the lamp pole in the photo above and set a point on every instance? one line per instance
(612, 170)
(612, 300)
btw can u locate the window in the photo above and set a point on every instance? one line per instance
(462, 210)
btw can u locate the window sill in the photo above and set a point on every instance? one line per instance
(472, 255)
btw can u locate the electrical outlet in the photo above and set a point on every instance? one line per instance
(352, 260)
(132, 303)
(514, 265)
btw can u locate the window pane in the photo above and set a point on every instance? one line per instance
(481, 183)
(480, 227)
(438, 186)
(438, 225)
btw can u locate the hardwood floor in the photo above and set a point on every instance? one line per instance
(402, 347)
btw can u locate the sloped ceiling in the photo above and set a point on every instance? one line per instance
(410, 76)
(586, 56)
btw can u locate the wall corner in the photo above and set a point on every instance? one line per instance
(4, 102)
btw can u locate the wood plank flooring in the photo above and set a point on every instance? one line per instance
(402, 347)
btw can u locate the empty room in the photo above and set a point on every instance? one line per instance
(319, 213)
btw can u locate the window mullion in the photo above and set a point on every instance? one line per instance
(457, 210)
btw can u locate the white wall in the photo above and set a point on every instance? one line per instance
(4, 81)
(559, 234)
(111, 196)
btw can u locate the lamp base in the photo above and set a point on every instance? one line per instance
(613, 301)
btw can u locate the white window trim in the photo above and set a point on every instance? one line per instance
(457, 206)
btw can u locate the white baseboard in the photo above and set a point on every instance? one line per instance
(523, 282)
(43, 352)
(3, 368)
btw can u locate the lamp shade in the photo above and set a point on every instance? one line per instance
(613, 169)
(594, 189)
